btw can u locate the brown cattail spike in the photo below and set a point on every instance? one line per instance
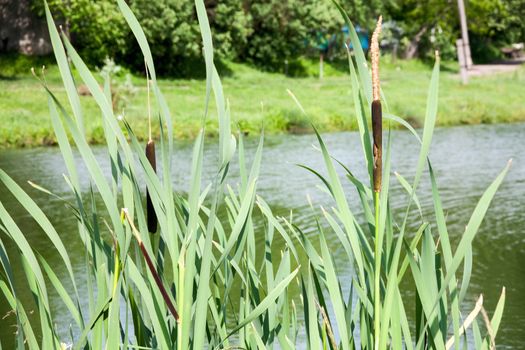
(125, 215)
(150, 210)
(377, 131)
(377, 116)
(150, 154)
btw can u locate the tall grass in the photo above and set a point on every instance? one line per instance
(200, 281)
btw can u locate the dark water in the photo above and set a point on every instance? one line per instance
(465, 159)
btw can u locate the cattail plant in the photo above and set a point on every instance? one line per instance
(158, 280)
(377, 117)
(377, 131)
(150, 154)
(208, 257)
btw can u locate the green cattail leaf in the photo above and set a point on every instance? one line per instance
(265, 209)
(237, 229)
(42, 220)
(14, 232)
(469, 234)
(73, 307)
(362, 67)
(113, 336)
(408, 188)
(135, 27)
(496, 320)
(334, 290)
(361, 119)
(430, 122)
(447, 257)
(63, 65)
(399, 120)
(99, 315)
(25, 332)
(150, 306)
(187, 258)
(344, 211)
(207, 47)
(263, 305)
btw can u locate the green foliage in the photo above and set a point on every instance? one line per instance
(366, 12)
(15, 65)
(261, 32)
(269, 32)
(231, 27)
(172, 33)
(171, 29)
(96, 27)
(494, 24)
(419, 20)
(434, 25)
(279, 31)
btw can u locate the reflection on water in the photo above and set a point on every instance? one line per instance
(465, 159)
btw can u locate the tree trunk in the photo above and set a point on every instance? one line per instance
(412, 48)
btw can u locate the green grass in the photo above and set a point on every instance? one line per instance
(260, 98)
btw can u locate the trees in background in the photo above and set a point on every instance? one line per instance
(97, 27)
(422, 22)
(434, 24)
(493, 24)
(172, 32)
(269, 32)
(262, 32)
(281, 30)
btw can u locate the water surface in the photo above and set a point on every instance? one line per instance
(465, 159)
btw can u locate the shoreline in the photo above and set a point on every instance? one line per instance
(260, 98)
(50, 142)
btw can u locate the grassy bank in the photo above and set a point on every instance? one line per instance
(259, 98)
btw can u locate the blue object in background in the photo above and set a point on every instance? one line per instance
(361, 34)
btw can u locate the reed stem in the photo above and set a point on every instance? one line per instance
(377, 133)
(151, 266)
(180, 298)
(149, 103)
(377, 274)
(150, 155)
(116, 268)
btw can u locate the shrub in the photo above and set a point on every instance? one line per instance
(96, 27)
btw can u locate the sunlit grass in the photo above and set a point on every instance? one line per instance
(490, 99)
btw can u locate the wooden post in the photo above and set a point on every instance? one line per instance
(462, 62)
(464, 34)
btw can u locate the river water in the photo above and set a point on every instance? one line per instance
(466, 159)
